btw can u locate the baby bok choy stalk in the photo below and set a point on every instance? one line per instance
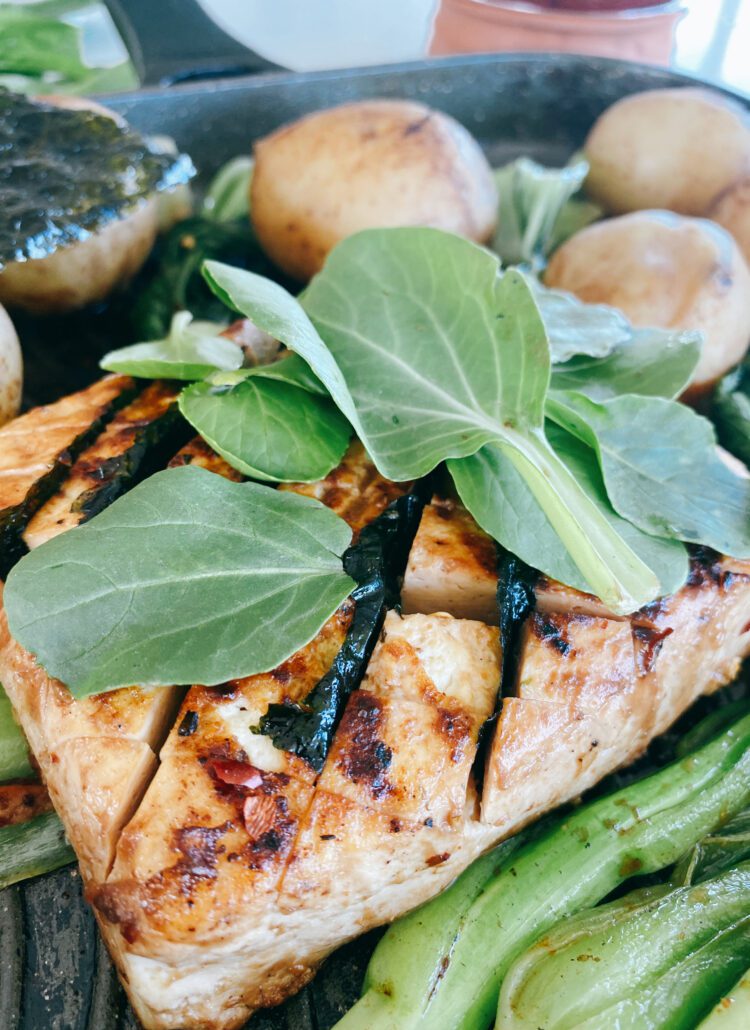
(460, 960)
(32, 848)
(14, 751)
(732, 1012)
(657, 958)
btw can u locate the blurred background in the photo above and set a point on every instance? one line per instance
(77, 46)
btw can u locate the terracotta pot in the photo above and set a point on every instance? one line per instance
(473, 26)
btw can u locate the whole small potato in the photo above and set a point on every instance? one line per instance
(376, 163)
(84, 272)
(667, 148)
(732, 210)
(668, 271)
(11, 370)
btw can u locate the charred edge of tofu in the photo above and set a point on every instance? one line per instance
(376, 562)
(13, 520)
(155, 444)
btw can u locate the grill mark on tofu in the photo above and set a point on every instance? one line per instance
(365, 757)
(134, 443)
(552, 632)
(38, 448)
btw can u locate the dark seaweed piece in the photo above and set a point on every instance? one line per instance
(376, 562)
(154, 445)
(515, 599)
(177, 284)
(67, 173)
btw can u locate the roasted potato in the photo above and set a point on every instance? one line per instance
(363, 165)
(667, 148)
(11, 369)
(732, 210)
(664, 270)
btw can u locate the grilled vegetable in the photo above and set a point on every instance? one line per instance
(32, 848)
(640, 829)
(14, 751)
(375, 562)
(658, 958)
(37, 449)
(733, 1011)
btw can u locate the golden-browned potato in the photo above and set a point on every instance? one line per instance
(667, 148)
(363, 165)
(11, 370)
(82, 272)
(732, 210)
(88, 271)
(664, 270)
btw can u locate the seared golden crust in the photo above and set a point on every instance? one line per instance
(197, 452)
(354, 490)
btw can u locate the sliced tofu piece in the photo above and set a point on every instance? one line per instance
(693, 642)
(587, 661)
(553, 597)
(452, 566)
(542, 754)
(355, 490)
(408, 737)
(128, 448)
(38, 448)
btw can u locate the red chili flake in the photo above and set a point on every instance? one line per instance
(237, 774)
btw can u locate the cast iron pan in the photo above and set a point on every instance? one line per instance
(54, 970)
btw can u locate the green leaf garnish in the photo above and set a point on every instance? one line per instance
(574, 327)
(228, 195)
(661, 468)
(267, 428)
(503, 505)
(652, 363)
(191, 350)
(532, 199)
(189, 578)
(425, 371)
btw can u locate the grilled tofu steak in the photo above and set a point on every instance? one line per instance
(229, 863)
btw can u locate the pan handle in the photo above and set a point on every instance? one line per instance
(175, 40)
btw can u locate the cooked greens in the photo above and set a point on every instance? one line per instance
(32, 848)
(97, 170)
(14, 751)
(658, 958)
(574, 863)
(188, 578)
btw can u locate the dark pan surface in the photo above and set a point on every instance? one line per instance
(54, 970)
